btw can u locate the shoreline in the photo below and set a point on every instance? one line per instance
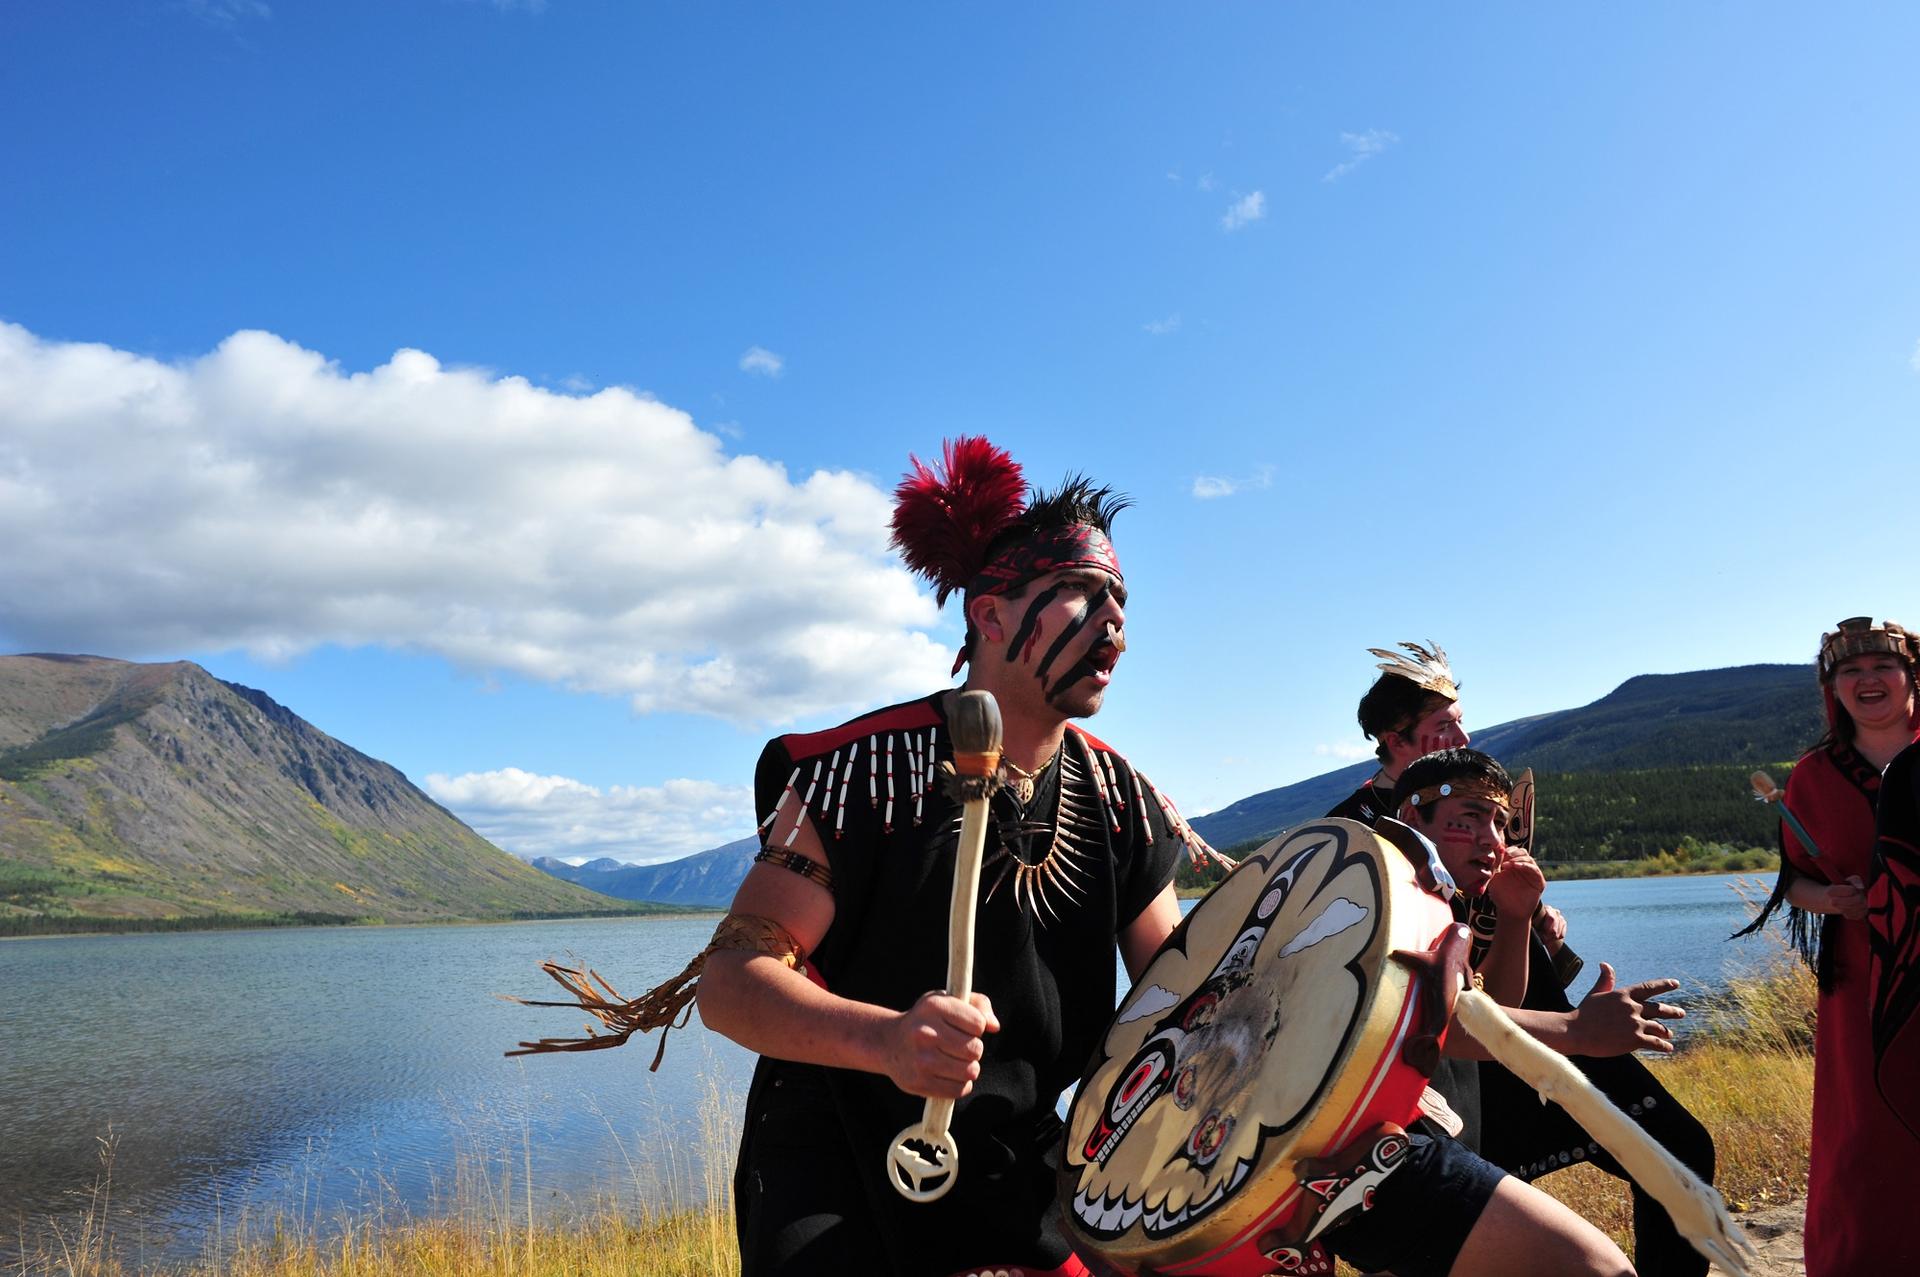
(220, 923)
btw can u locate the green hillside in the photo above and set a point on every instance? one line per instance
(1627, 815)
(139, 796)
(1659, 763)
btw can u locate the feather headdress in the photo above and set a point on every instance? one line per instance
(945, 519)
(1424, 668)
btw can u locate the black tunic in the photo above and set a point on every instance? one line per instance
(1365, 804)
(811, 1190)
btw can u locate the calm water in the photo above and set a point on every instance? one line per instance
(319, 1072)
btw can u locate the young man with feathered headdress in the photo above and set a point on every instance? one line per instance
(850, 892)
(1413, 713)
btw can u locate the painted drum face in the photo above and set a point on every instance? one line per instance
(1232, 1056)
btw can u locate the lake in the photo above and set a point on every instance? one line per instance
(314, 1072)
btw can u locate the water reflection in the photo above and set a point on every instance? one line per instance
(315, 1071)
(311, 1072)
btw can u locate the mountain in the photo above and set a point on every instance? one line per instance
(1747, 716)
(707, 878)
(1660, 758)
(154, 793)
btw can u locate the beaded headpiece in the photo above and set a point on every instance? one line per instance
(1467, 787)
(1859, 636)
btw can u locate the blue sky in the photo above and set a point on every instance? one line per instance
(1585, 342)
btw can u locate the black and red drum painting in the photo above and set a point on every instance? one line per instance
(1268, 1030)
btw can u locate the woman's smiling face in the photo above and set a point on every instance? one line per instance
(1876, 688)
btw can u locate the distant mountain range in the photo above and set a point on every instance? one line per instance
(1659, 758)
(158, 794)
(706, 879)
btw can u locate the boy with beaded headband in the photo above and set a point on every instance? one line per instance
(1413, 712)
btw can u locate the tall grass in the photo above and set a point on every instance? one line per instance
(1746, 1071)
(488, 1223)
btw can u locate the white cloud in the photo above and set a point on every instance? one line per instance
(1347, 751)
(1161, 327)
(1211, 487)
(1361, 147)
(1246, 209)
(1205, 182)
(260, 498)
(226, 13)
(531, 815)
(762, 362)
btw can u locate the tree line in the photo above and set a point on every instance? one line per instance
(1674, 813)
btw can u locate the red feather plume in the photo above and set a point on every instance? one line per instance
(944, 519)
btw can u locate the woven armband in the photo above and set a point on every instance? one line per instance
(666, 1007)
(792, 861)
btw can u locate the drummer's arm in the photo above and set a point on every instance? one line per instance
(1142, 938)
(931, 1049)
(1608, 1021)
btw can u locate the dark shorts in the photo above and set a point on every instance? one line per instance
(1421, 1213)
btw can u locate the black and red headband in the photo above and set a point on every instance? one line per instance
(950, 525)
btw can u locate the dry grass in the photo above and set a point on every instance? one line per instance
(1747, 1074)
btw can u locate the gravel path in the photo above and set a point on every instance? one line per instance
(1775, 1230)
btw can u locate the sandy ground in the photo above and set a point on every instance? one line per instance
(1776, 1233)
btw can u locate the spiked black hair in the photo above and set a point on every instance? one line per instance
(1076, 500)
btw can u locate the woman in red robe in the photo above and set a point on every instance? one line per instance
(1859, 1186)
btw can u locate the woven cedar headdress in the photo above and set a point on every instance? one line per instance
(974, 526)
(1859, 636)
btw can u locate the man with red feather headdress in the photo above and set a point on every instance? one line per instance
(845, 909)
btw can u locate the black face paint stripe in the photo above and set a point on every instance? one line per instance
(1031, 619)
(1079, 670)
(1076, 623)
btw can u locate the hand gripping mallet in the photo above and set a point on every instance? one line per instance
(923, 1162)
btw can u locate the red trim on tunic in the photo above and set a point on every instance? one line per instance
(1092, 740)
(899, 718)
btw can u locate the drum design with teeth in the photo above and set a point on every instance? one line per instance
(1268, 1029)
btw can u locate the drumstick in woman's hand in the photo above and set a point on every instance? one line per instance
(1769, 793)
